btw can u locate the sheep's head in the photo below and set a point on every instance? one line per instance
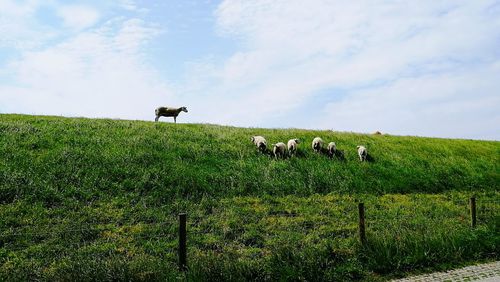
(252, 139)
(184, 109)
(262, 146)
(297, 141)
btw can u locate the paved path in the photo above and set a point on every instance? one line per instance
(489, 272)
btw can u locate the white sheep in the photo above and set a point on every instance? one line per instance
(317, 144)
(260, 142)
(279, 149)
(362, 153)
(292, 146)
(332, 149)
(169, 112)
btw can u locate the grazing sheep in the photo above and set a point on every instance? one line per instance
(169, 112)
(260, 142)
(279, 149)
(317, 144)
(377, 133)
(362, 153)
(292, 146)
(332, 149)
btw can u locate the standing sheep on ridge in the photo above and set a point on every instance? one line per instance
(260, 142)
(292, 146)
(169, 112)
(332, 149)
(279, 150)
(362, 153)
(317, 144)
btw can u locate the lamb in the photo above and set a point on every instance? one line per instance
(317, 144)
(169, 112)
(292, 146)
(260, 142)
(332, 149)
(279, 149)
(362, 153)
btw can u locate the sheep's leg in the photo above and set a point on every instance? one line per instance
(156, 119)
(175, 119)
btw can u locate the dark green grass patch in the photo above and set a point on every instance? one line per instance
(248, 238)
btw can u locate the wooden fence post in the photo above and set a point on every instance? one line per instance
(362, 234)
(473, 218)
(182, 242)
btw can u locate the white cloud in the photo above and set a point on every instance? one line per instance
(132, 6)
(99, 73)
(128, 5)
(456, 104)
(291, 50)
(134, 34)
(356, 41)
(78, 17)
(16, 25)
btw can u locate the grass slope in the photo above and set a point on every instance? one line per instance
(98, 199)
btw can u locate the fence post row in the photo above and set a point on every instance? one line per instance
(473, 218)
(362, 230)
(362, 234)
(182, 242)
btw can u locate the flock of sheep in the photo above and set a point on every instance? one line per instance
(280, 149)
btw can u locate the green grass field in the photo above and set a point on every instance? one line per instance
(87, 199)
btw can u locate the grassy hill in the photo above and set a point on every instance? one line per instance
(98, 199)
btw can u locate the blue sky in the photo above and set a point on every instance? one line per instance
(427, 68)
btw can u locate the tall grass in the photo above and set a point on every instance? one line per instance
(97, 200)
(54, 159)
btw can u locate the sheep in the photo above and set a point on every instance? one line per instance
(332, 149)
(169, 112)
(292, 146)
(279, 149)
(377, 133)
(260, 142)
(362, 153)
(317, 144)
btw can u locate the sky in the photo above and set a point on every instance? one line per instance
(424, 68)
